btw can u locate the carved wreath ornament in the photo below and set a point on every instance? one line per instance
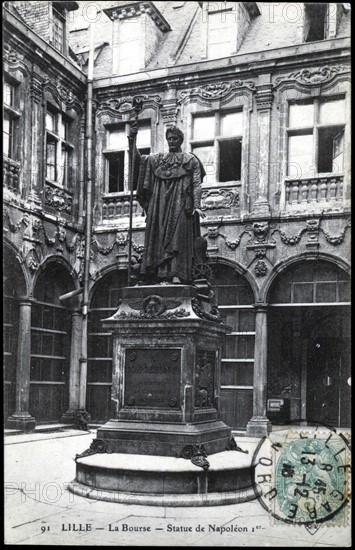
(152, 307)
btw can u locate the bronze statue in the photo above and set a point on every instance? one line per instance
(169, 190)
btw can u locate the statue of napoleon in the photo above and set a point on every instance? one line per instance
(169, 189)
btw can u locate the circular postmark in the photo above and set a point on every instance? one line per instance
(303, 476)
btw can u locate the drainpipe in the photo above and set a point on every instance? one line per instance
(88, 226)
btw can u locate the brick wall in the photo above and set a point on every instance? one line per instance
(153, 37)
(243, 23)
(79, 38)
(195, 47)
(36, 15)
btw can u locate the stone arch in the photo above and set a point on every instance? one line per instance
(282, 267)
(14, 270)
(51, 328)
(241, 270)
(308, 347)
(61, 261)
(103, 302)
(104, 273)
(235, 292)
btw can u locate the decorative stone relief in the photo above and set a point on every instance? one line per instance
(96, 446)
(261, 240)
(260, 268)
(313, 227)
(336, 239)
(124, 104)
(197, 454)
(59, 91)
(215, 90)
(289, 239)
(313, 77)
(32, 261)
(152, 307)
(204, 378)
(65, 94)
(260, 231)
(212, 315)
(212, 231)
(13, 226)
(213, 199)
(10, 55)
(58, 198)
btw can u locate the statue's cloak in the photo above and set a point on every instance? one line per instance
(169, 189)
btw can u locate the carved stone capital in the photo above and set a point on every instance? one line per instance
(36, 88)
(169, 112)
(264, 96)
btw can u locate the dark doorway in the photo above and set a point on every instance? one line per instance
(309, 346)
(328, 376)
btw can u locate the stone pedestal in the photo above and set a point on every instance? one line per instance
(166, 373)
(165, 397)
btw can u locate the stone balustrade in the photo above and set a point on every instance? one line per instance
(327, 189)
(11, 174)
(118, 207)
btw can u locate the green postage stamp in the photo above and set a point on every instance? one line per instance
(304, 476)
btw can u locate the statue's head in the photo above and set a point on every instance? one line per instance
(174, 137)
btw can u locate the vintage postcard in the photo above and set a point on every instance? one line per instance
(176, 242)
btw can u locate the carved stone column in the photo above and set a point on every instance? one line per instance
(168, 112)
(36, 95)
(81, 169)
(264, 97)
(21, 419)
(74, 372)
(259, 425)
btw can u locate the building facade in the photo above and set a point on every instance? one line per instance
(262, 94)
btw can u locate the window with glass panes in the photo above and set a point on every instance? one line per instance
(50, 345)
(58, 28)
(316, 137)
(315, 21)
(315, 282)
(116, 155)
(59, 149)
(10, 119)
(99, 381)
(235, 303)
(217, 141)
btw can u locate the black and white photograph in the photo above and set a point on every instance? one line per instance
(176, 273)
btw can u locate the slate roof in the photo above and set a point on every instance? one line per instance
(266, 31)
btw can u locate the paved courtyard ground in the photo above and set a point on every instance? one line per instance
(40, 510)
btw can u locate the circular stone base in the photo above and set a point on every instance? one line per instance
(166, 481)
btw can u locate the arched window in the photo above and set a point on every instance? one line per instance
(311, 282)
(104, 303)
(50, 345)
(235, 301)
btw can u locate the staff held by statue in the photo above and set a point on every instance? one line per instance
(132, 140)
